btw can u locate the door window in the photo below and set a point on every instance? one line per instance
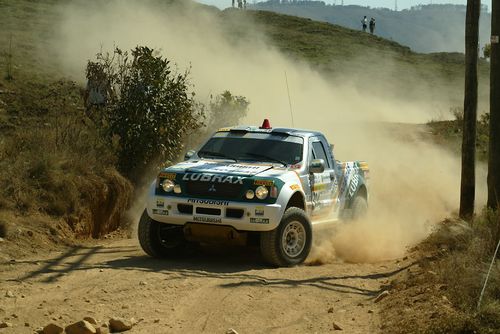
(320, 153)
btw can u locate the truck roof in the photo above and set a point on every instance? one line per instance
(288, 131)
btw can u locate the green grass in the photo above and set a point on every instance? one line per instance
(375, 64)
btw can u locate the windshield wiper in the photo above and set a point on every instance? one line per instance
(215, 155)
(268, 158)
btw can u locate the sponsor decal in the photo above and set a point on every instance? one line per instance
(259, 220)
(168, 176)
(207, 219)
(295, 187)
(160, 203)
(259, 211)
(213, 178)
(208, 201)
(224, 168)
(318, 187)
(267, 183)
(160, 212)
(354, 185)
(224, 130)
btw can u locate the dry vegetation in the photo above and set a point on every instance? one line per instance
(54, 162)
(440, 294)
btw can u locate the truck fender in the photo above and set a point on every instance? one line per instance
(360, 190)
(291, 195)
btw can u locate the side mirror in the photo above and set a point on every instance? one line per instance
(189, 154)
(317, 166)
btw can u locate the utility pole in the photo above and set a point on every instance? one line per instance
(468, 183)
(494, 150)
(395, 5)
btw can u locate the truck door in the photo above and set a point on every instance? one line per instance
(323, 185)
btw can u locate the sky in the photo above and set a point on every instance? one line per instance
(402, 4)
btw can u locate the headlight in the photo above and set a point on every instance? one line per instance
(250, 194)
(261, 192)
(177, 189)
(168, 185)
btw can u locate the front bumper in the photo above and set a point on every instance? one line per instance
(241, 216)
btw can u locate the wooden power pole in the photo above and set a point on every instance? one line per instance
(494, 151)
(468, 185)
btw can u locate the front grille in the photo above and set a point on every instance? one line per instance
(208, 211)
(213, 190)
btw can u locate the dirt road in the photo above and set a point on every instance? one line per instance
(211, 292)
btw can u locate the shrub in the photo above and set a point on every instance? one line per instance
(226, 110)
(487, 50)
(463, 270)
(144, 107)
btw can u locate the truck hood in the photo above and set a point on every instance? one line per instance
(220, 167)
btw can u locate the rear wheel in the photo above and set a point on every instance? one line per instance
(359, 208)
(159, 239)
(290, 243)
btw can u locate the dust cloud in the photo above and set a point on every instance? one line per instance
(413, 183)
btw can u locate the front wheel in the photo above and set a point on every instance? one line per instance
(290, 243)
(159, 239)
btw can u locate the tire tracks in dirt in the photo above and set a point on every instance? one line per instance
(208, 293)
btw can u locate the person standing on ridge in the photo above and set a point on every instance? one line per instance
(364, 22)
(372, 25)
(244, 4)
(233, 3)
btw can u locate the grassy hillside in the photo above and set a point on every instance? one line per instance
(374, 64)
(424, 28)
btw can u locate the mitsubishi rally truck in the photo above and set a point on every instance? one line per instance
(253, 186)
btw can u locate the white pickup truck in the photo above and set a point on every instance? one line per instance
(258, 185)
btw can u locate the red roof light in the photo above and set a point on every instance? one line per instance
(266, 124)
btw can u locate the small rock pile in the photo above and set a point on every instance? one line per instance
(90, 325)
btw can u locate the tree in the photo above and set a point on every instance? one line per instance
(494, 144)
(487, 50)
(226, 110)
(468, 184)
(145, 109)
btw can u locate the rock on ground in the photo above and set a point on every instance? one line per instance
(90, 320)
(5, 324)
(52, 329)
(81, 327)
(120, 324)
(102, 330)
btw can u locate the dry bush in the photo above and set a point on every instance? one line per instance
(56, 162)
(463, 268)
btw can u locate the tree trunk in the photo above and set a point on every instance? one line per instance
(494, 152)
(468, 186)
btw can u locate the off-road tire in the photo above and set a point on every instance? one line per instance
(150, 238)
(359, 208)
(271, 243)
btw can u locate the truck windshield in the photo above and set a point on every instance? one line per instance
(237, 148)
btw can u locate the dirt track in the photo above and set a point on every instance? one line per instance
(212, 292)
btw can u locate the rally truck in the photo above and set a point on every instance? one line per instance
(270, 187)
